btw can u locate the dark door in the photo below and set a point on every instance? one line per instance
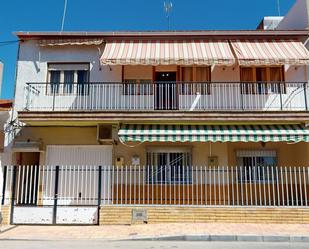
(166, 97)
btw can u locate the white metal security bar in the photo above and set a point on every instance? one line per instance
(152, 185)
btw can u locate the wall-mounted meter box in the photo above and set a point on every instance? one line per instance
(213, 161)
(119, 161)
(136, 160)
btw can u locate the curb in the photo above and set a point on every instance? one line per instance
(228, 238)
(6, 228)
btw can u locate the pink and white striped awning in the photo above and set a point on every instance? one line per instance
(146, 52)
(270, 52)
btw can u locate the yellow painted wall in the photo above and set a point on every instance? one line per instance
(200, 151)
(60, 135)
(288, 154)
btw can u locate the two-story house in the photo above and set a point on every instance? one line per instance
(160, 126)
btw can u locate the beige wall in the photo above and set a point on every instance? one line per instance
(288, 154)
(200, 151)
(137, 72)
(218, 73)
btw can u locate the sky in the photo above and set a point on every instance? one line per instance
(119, 15)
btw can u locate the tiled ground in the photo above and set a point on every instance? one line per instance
(151, 230)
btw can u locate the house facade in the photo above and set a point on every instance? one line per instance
(114, 128)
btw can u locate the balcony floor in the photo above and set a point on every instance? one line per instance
(89, 117)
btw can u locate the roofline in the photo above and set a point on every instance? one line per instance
(223, 33)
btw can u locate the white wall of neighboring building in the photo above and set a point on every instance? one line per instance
(297, 17)
(33, 59)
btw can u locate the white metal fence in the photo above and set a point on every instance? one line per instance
(152, 185)
(181, 96)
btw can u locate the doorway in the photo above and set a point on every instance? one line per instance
(166, 97)
(27, 177)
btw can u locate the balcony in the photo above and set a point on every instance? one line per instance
(167, 96)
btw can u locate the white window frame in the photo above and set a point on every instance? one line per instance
(62, 67)
(186, 175)
(259, 173)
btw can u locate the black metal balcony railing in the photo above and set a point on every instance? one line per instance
(182, 96)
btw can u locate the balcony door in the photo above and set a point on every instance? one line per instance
(166, 97)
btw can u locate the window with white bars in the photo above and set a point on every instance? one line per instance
(256, 165)
(169, 167)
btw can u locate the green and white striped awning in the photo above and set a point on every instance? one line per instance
(213, 133)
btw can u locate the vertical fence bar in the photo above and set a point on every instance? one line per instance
(99, 185)
(287, 187)
(56, 195)
(13, 189)
(295, 186)
(250, 184)
(305, 185)
(264, 187)
(237, 182)
(210, 185)
(206, 182)
(291, 185)
(232, 177)
(277, 185)
(228, 185)
(282, 186)
(268, 186)
(5, 176)
(201, 183)
(99, 191)
(260, 187)
(300, 187)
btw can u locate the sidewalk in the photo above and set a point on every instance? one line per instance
(153, 231)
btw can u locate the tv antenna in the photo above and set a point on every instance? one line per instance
(278, 7)
(64, 14)
(168, 6)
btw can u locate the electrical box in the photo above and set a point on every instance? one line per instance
(119, 161)
(213, 161)
(136, 160)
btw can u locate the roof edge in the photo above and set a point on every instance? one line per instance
(51, 34)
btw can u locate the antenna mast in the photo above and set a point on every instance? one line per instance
(278, 7)
(168, 6)
(64, 14)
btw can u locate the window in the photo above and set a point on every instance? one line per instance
(67, 79)
(256, 166)
(262, 80)
(195, 80)
(137, 80)
(137, 87)
(169, 166)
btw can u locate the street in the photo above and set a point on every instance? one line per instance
(96, 244)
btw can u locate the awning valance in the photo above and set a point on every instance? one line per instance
(213, 133)
(144, 52)
(270, 52)
(65, 42)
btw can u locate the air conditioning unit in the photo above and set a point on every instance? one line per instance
(105, 133)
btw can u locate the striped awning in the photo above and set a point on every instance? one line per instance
(146, 52)
(213, 133)
(270, 52)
